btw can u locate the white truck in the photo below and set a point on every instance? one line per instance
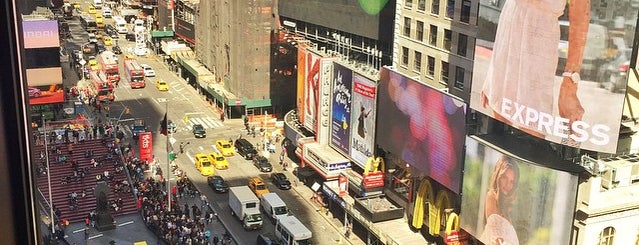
(273, 206)
(245, 206)
(289, 230)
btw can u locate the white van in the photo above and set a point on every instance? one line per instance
(289, 230)
(120, 25)
(106, 12)
(97, 4)
(273, 206)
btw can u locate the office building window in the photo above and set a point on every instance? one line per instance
(433, 35)
(404, 56)
(409, 3)
(450, 9)
(431, 66)
(607, 236)
(459, 77)
(420, 31)
(421, 5)
(444, 72)
(462, 44)
(418, 61)
(448, 39)
(434, 7)
(465, 11)
(407, 26)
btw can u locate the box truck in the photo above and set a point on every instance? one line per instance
(273, 206)
(245, 206)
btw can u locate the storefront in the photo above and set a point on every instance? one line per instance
(326, 161)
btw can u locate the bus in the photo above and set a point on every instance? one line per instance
(103, 87)
(290, 231)
(134, 73)
(120, 24)
(88, 23)
(109, 66)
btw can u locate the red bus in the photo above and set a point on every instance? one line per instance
(103, 87)
(109, 66)
(134, 72)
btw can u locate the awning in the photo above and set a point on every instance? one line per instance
(182, 55)
(327, 161)
(160, 34)
(257, 103)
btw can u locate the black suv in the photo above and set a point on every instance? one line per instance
(245, 149)
(280, 180)
(198, 131)
(262, 164)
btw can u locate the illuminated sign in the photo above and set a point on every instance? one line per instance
(374, 173)
(363, 119)
(146, 146)
(423, 126)
(515, 200)
(341, 109)
(40, 34)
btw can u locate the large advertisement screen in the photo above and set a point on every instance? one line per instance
(363, 118)
(341, 103)
(508, 200)
(301, 81)
(45, 85)
(553, 74)
(421, 125)
(311, 89)
(40, 34)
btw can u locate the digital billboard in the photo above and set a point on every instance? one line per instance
(508, 200)
(341, 104)
(45, 85)
(40, 34)
(363, 119)
(301, 81)
(421, 125)
(311, 89)
(528, 76)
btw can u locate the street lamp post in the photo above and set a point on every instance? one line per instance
(46, 154)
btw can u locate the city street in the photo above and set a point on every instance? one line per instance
(186, 107)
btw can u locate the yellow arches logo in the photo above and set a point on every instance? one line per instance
(425, 203)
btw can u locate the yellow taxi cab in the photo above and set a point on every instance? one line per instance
(108, 41)
(77, 5)
(92, 9)
(219, 161)
(162, 85)
(203, 164)
(225, 147)
(129, 56)
(93, 64)
(257, 185)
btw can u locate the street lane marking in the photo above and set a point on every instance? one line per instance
(96, 236)
(126, 223)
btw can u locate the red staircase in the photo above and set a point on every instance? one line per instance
(60, 192)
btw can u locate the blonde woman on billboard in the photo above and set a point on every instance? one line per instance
(521, 74)
(499, 201)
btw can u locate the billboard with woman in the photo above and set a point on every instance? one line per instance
(552, 68)
(508, 200)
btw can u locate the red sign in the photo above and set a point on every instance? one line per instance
(373, 180)
(342, 183)
(455, 237)
(146, 146)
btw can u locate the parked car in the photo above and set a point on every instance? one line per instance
(148, 70)
(218, 184)
(198, 131)
(225, 147)
(245, 149)
(281, 181)
(262, 164)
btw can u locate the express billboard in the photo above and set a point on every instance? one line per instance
(509, 200)
(341, 104)
(421, 125)
(40, 34)
(363, 118)
(527, 76)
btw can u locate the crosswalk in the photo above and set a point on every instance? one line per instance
(207, 122)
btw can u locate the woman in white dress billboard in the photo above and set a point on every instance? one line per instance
(519, 83)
